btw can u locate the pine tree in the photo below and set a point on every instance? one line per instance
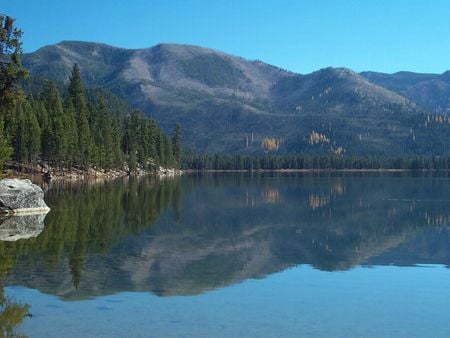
(34, 134)
(160, 151)
(28, 134)
(56, 142)
(168, 152)
(143, 142)
(153, 131)
(95, 126)
(116, 137)
(11, 71)
(176, 145)
(77, 98)
(5, 149)
(20, 136)
(72, 134)
(108, 142)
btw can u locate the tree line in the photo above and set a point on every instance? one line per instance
(85, 132)
(73, 128)
(313, 162)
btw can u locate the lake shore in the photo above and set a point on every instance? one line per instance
(16, 170)
(299, 170)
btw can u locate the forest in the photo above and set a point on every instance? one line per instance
(313, 162)
(67, 126)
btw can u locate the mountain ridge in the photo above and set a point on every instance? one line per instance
(431, 91)
(222, 100)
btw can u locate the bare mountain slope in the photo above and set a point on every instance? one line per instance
(223, 101)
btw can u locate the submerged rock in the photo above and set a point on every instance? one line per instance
(13, 228)
(21, 196)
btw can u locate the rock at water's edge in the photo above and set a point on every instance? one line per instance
(21, 196)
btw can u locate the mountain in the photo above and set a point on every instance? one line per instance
(431, 91)
(228, 104)
(162, 74)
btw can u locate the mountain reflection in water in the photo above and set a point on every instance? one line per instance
(201, 232)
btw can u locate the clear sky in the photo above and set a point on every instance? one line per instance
(299, 35)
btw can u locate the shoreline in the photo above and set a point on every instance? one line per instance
(92, 174)
(189, 171)
(49, 174)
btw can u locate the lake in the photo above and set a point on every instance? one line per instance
(235, 255)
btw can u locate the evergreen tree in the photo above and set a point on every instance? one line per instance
(56, 136)
(5, 149)
(77, 98)
(95, 125)
(116, 143)
(168, 152)
(28, 134)
(72, 134)
(129, 139)
(20, 135)
(108, 142)
(143, 142)
(34, 134)
(176, 145)
(152, 130)
(11, 71)
(160, 151)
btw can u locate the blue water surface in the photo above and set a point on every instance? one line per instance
(235, 255)
(299, 302)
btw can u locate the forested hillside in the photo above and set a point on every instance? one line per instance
(66, 126)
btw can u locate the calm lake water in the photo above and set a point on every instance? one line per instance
(235, 255)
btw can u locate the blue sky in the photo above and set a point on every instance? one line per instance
(299, 35)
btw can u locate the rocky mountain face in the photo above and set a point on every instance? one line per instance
(227, 104)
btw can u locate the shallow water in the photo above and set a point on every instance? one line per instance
(228, 255)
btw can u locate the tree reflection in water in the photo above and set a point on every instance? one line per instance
(12, 313)
(202, 232)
